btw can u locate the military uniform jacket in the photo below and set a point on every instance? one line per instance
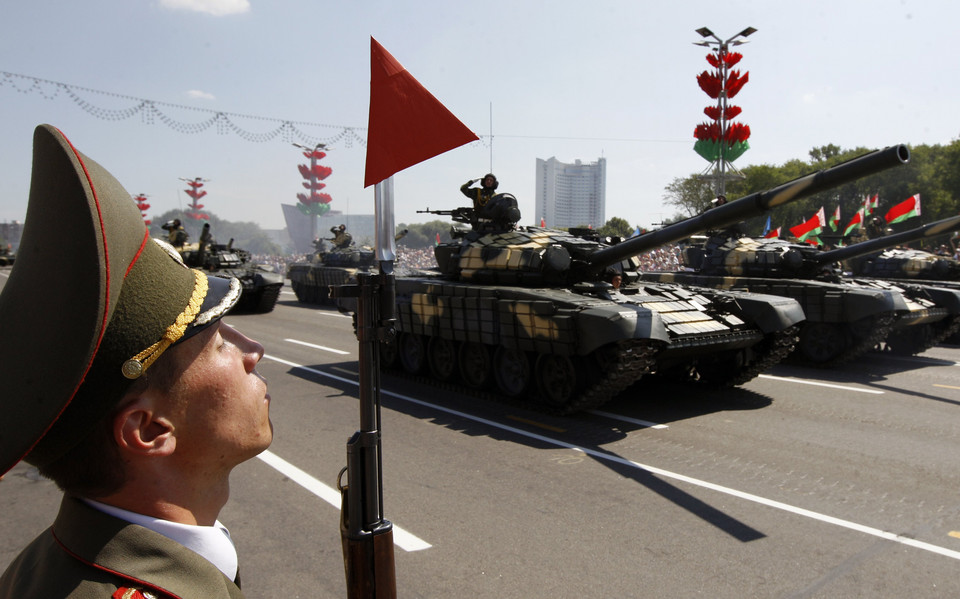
(87, 554)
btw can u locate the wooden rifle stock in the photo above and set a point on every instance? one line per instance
(367, 538)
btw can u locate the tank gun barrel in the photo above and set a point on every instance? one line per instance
(756, 204)
(934, 229)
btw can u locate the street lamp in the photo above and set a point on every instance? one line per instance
(705, 32)
(721, 115)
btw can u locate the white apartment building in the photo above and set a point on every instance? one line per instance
(571, 195)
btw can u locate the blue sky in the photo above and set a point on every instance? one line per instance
(574, 80)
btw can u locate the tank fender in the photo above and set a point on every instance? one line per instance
(599, 325)
(770, 313)
(858, 303)
(268, 278)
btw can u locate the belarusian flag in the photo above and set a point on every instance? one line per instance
(904, 210)
(772, 234)
(835, 219)
(812, 227)
(437, 242)
(543, 223)
(813, 240)
(874, 204)
(855, 223)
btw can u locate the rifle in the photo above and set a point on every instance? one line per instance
(366, 537)
(462, 215)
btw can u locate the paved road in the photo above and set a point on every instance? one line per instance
(801, 483)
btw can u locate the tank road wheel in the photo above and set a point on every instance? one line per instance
(474, 362)
(413, 353)
(556, 379)
(511, 369)
(442, 358)
(821, 342)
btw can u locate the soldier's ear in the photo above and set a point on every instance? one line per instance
(141, 429)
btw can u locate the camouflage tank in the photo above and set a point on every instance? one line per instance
(261, 285)
(530, 311)
(845, 317)
(311, 280)
(877, 258)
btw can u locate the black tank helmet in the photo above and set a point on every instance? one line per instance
(484, 181)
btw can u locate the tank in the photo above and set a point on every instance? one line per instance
(311, 279)
(909, 268)
(7, 256)
(845, 316)
(261, 285)
(537, 314)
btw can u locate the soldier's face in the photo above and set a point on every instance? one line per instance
(222, 408)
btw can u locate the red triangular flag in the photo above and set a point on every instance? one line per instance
(407, 125)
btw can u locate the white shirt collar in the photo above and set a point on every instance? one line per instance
(211, 542)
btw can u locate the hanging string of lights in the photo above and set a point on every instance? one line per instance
(151, 111)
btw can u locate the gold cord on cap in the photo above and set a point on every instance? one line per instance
(137, 365)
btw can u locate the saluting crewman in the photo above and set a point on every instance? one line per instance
(137, 402)
(480, 195)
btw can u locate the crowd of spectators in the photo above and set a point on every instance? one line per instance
(665, 258)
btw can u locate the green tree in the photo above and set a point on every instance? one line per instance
(616, 227)
(690, 196)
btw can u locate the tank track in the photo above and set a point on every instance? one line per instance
(879, 328)
(939, 332)
(632, 360)
(776, 348)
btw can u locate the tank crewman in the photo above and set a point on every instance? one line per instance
(341, 239)
(154, 402)
(176, 234)
(480, 195)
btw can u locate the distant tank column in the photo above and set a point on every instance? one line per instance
(314, 203)
(720, 141)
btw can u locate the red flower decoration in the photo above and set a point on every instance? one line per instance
(710, 83)
(735, 82)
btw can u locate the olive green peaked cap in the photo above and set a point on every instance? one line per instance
(91, 296)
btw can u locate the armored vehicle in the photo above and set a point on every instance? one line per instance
(910, 268)
(311, 279)
(845, 317)
(7, 257)
(261, 285)
(564, 319)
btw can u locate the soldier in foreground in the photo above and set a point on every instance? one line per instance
(137, 402)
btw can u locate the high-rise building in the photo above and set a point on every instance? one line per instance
(571, 195)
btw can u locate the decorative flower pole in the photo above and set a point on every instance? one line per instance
(314, 204)
(141, 200)
(194, 210)
(720, 141)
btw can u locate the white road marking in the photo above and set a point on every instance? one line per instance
(315, 346)
(611, 415)
(803, 382)
(869, 530)
(401, 538)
